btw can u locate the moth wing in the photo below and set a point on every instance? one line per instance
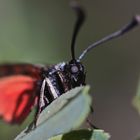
(17, 97)
(21, 69)
(18, 90)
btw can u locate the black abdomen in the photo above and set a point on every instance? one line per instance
(57, 83)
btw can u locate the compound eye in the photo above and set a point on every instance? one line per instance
(74, 69)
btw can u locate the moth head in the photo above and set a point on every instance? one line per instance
(76, 73)
(75, 67)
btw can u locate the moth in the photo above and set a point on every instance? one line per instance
(24, 86)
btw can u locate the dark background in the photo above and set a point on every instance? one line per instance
(39, 31)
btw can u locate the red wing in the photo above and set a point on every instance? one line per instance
(20, 69)
(17, 97)
(18, 89)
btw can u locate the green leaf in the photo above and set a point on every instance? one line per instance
(83, 135)
(136, 99)
(62, 115)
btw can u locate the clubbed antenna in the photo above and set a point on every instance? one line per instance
(80, 19)
(133, 23)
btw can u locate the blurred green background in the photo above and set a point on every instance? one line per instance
(39, 31)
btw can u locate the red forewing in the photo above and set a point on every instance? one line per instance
(18, 91)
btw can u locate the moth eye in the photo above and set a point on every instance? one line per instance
(74, 69)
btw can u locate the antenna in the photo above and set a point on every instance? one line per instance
(133, 23)
(80, 19)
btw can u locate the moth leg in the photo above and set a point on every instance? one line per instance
(41, 102)
(91, 124)
(91, 109)
(89, 121)
(40, 105)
